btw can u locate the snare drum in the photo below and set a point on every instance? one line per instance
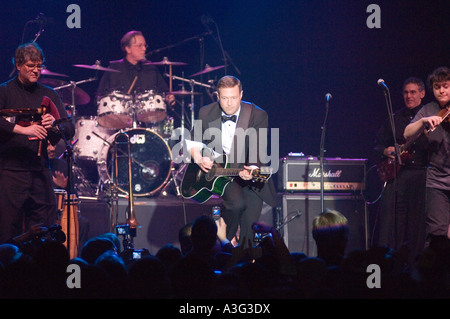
(115, 110)
(90, 137)
(151, 107)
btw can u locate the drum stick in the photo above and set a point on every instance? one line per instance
(132, 85)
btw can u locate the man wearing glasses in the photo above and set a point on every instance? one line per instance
(135, 73)
(29, 110)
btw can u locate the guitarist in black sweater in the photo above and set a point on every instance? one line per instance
(401, 216)
(243, 197)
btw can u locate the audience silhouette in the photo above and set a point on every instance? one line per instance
(208, 267)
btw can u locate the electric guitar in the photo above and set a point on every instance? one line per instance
(386, 168)
(200, 186)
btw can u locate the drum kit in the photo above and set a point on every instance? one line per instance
(142, 166)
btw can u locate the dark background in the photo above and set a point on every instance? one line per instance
(288, 54)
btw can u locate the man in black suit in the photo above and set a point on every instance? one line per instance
(235, 127)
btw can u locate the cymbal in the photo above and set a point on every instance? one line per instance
(96, 67)
(45, 71)
(81, 97)
(182, 92)
(208, 69)
(164, 61)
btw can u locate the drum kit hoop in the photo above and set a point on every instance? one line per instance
(95, 145)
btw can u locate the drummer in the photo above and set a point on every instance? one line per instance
(135, 74)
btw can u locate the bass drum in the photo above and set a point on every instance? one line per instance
(151, 161)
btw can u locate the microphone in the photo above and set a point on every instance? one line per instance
(328, 96)
(382, 84)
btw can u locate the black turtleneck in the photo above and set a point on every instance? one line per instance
(17, 152)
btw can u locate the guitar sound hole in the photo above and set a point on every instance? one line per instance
(211, 173)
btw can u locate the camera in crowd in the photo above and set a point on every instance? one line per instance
(132, 254)
(258, 236)
(215, 214)
(53, 233)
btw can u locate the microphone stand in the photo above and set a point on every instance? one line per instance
(36, 36)
(68, 156)
(322, 152)
(178, 44)
(74, 84)
(192, 83)
(397, 161)
(226, 56)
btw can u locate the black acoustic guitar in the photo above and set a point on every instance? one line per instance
(200, 186)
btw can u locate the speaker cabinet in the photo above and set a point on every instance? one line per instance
(297, 211)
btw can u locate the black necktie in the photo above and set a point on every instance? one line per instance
(229, 118)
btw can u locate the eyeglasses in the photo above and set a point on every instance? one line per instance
(33, 66)
(140, 46)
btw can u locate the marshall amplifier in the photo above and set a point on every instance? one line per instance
(302, 174)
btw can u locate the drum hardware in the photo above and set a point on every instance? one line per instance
(175, 179)
(192, 93)
(83, 97)
(165, 61)
(46, 71)
(65, 90)
(96, 67)
(208, 69)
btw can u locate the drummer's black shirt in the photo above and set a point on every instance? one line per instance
(148, 78)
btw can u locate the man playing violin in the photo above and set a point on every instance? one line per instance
(433, 120)
(29, 112)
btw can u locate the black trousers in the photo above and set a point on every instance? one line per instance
(438, 212)
(26, 199)
(242, 207)
(402, 212)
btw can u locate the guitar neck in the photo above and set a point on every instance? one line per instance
(227, 171)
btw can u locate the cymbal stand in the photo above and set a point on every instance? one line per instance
(192, 83)
(74, 84)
